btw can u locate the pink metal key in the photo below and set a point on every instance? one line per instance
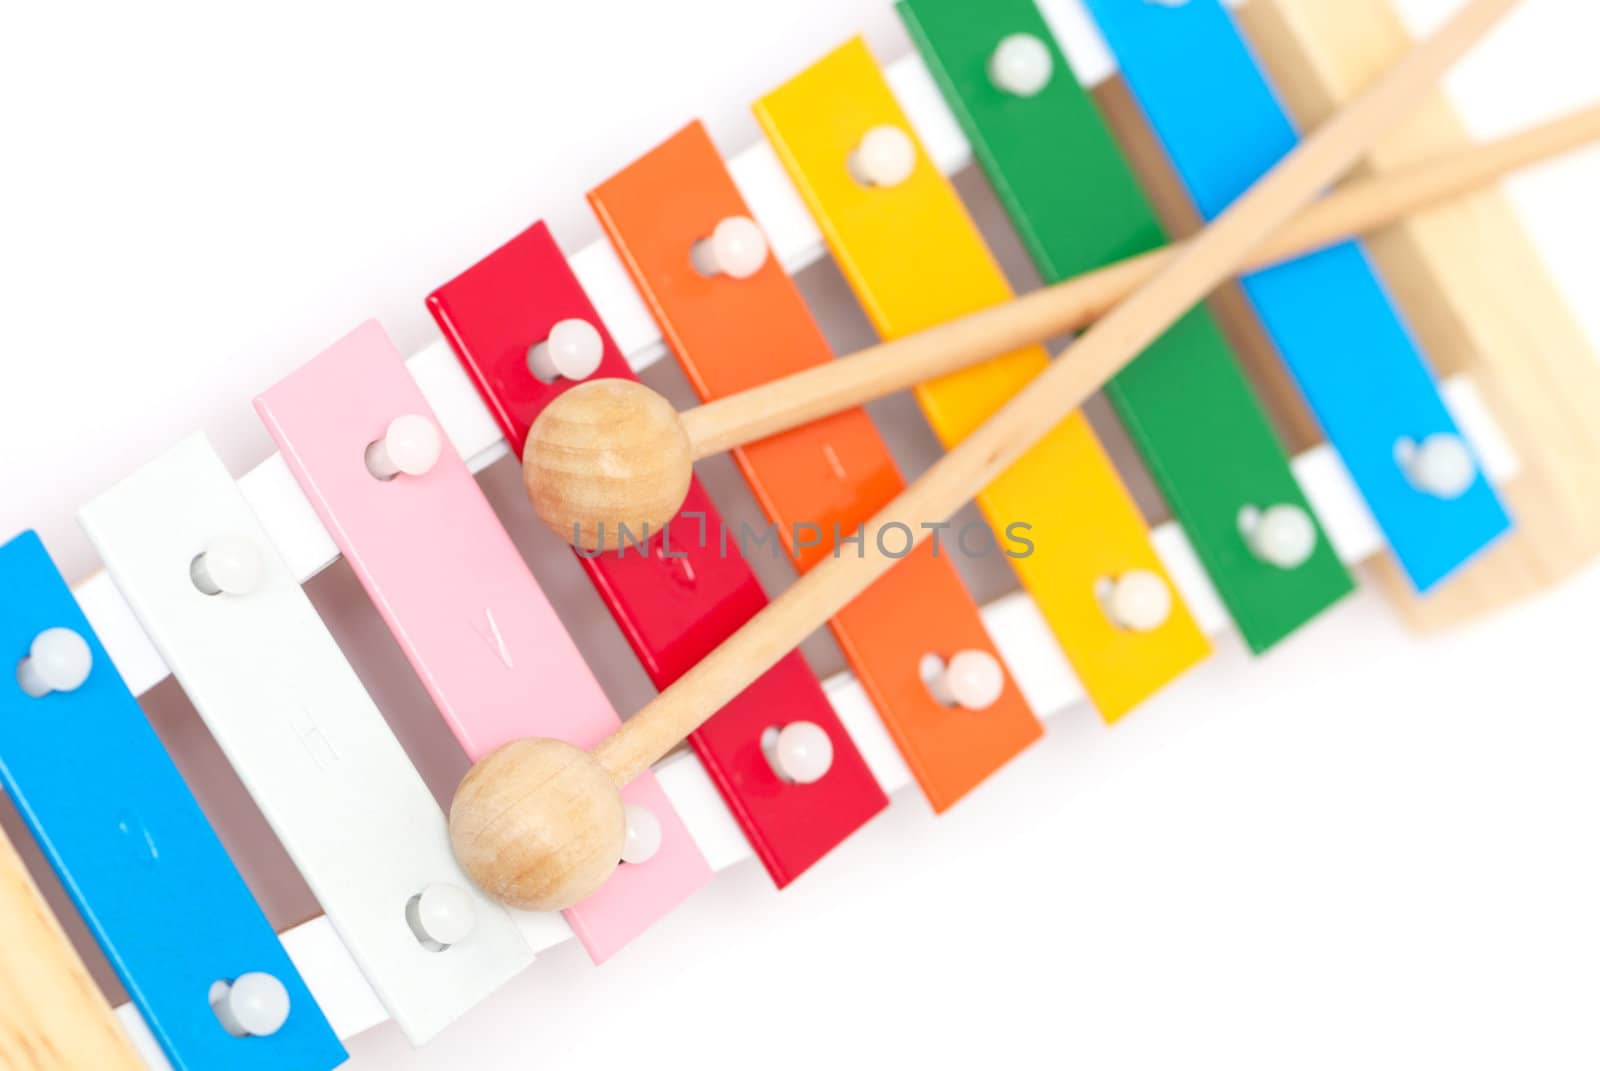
(457, 595)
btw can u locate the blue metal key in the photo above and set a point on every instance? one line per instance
(132, 847)
(1355, 360)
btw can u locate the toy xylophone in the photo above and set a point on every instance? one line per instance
(1473, 490)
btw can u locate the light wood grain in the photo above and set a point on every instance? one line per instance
(577, 842)
(52, 1018)
(607, 463)
(1480, 301)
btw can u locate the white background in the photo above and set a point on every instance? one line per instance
(1363, 850)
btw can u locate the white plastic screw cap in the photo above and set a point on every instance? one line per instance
(231, 565)
(442, 914)
(644, 835)
(1139, 601)
(1441, 465)
(410, 446)
(1021, 65)
(885, 157)
(802, 752)
(972, 680)
(413, 444)
(253, 1005)
(572, 351)
(736, 248)
(1281, 535)
(58, 661)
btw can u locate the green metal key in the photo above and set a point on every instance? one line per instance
(1186, 403)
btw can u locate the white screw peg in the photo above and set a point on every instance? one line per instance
(572, 351)
(885, 157)
(1440, 465)
(1138, 601)
(644, 835)
(411, 446)
(58, 661)
(231, 565)
(736, 248)
(441, 915)
(1021, 65)
(972, 680)
(253, 1005)
(1281, 535)
(801, 752)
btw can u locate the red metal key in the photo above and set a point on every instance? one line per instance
(674, 605)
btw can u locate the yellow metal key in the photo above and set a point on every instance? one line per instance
(915, 259)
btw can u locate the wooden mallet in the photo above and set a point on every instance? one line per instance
(539, 825)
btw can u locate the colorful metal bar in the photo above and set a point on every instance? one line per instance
(675, 604)
(817, 483)
(300, 730)
(460, 600)
(1078, 206)
(132, 847)
(1352, 355)
(915, 258)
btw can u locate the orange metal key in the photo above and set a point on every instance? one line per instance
(817, 483)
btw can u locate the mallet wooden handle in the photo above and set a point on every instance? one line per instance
(877, 371)
(1186, 277)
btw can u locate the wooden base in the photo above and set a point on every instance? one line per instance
(52, 1018)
